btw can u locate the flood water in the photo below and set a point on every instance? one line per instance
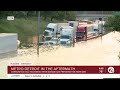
(99, 51)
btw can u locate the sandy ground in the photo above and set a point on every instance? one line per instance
(98, 51)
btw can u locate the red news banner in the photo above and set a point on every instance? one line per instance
(63, 69)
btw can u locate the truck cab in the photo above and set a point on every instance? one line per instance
(50, 31)
(65, 40)
(67, 36)
(81, 33)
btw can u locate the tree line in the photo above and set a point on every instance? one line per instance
(113, 22)
(59, 15)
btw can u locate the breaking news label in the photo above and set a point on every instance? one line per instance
(63, 72)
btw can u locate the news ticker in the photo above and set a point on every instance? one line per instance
(63, 76)
(63, 69)
(63, 72)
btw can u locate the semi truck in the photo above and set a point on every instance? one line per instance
(103, 29)
(84, 32)
(53, 30)
(97, 29)
(73, 23)
(67, 36)
(100, 26)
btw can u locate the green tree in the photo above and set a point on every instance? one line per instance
(45, 14)
(113, 22)
(53, 15)
(70, 15)
(67, 15)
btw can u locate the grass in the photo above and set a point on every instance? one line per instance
(25, 27)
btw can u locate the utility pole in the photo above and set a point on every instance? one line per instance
(102, 27)
(38, 41)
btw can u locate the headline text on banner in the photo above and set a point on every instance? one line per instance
(63, 69)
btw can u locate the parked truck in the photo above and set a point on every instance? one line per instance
(53, 30)
(67, 36)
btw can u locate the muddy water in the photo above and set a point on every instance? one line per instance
(99, 51)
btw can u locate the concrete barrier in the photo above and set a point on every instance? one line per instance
(8, 42)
